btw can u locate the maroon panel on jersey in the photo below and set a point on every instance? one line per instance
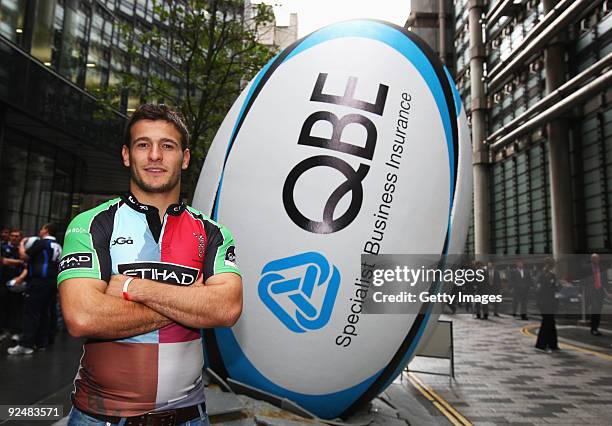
(108, 386)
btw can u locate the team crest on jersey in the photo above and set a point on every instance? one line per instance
(230, 256)
(201, 244)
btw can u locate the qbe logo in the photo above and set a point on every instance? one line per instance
(300, 290)
(331, 222)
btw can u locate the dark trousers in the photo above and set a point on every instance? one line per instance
(37, 312)
(15, 310)
(596, 306)
(4, 307)
(519, 300)
(547, 337)
(481, 309)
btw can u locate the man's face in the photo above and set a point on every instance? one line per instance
(5, 234)
(43, 232)
(155, 157)
(14, 238)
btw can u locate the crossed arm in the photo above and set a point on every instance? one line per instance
(92, 308)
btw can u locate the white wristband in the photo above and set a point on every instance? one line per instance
(125, 288)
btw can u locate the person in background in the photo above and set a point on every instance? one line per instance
(547, 302)
(597, 294)
(10, 267)
(43, 258)
(4, 234)
(494, 287)
(520, 280)
(481, 310)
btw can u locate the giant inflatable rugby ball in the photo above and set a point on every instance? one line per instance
(352, 140)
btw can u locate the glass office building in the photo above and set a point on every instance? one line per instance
(521, 207)
(56, 143)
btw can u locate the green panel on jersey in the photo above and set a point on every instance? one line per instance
(79, 257)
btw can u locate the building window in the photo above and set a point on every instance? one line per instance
(37, 183)
(11, 19)
(75, 30)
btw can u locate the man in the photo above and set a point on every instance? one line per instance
(494, 287)
(598, 293)
(547, 287)
(141, 275)
(42, 257)
(4, 234)
(520, 280)
(481, 310)
(14, 301)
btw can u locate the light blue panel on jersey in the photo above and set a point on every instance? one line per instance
(132, 240)
(150, 337)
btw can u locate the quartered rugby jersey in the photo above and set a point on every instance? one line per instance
(162, 369)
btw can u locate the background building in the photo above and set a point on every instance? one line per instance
(534, 78)
(433, 21)
(56, 140)
(280, 33)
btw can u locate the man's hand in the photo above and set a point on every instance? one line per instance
(216, 303)
(11, 262)
(91, 312)
(115, 285)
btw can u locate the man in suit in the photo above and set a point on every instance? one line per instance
(520, 280)
(547, 302)
(494, 287)
(481, 310)
(597, 292)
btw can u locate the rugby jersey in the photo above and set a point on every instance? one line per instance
(162, 369)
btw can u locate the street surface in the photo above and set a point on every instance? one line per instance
(500, 379)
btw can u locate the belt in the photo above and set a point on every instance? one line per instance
(158, 418)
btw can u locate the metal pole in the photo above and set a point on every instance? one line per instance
(442, 28)
(559, 151)
(598, 85)
(549, 31)
(480, 151)
(496, 11)
(452, 351)
(553, 97)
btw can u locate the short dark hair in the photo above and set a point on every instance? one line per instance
(157, 112)
(50, 227)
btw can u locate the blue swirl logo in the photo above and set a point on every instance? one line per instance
(300, 290)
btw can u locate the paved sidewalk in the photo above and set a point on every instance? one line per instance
(502, 379)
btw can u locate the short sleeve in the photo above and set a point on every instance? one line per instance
(220, 253)
(36, 248)
(86, 252)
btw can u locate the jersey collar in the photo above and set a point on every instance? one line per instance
(173, 209)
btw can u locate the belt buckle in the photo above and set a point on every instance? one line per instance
(161, 418)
